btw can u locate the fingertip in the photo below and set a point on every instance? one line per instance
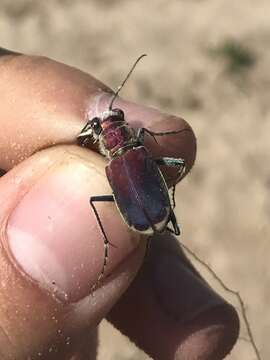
(211, 336)
(43, 103)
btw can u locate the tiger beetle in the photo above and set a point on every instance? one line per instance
(138, 186)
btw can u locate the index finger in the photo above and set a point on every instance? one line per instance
(44, 103)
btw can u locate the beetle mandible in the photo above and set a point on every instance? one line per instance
(138, 186)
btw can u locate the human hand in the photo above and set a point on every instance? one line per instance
(51, 247)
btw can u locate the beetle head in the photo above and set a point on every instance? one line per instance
(92, 129)
(94, 126)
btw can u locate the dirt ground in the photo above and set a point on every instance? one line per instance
(208, 61)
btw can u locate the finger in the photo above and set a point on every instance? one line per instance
(44, 103)
(52, 252)
(171, 313)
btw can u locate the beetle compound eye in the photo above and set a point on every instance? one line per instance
(95, 124)
(119, 113)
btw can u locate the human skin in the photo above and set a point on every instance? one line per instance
(51, 247)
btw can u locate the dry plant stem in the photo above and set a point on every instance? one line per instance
(235, 293)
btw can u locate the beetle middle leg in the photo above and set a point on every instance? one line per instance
(176, 229)
(92, 200)
(173, 162)
(180, 163)
(168, 161)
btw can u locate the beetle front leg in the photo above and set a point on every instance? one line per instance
(92, 200)
(142, 131)
(85, 134)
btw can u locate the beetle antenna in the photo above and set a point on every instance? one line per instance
(125, 80)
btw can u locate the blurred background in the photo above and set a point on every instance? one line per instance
(208, 62)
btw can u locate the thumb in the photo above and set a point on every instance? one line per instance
(52, 252)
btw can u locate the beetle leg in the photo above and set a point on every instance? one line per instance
(173, 197)
(173, 162)
(142, 131)
(176, 229)
(162, 133)
(92, 200)
(180, 173)
(140, 135)
(180, 163)
(85, 133)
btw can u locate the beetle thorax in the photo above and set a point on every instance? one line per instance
(116, 137)
(111, 131)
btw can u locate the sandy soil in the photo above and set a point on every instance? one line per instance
(208, 62)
